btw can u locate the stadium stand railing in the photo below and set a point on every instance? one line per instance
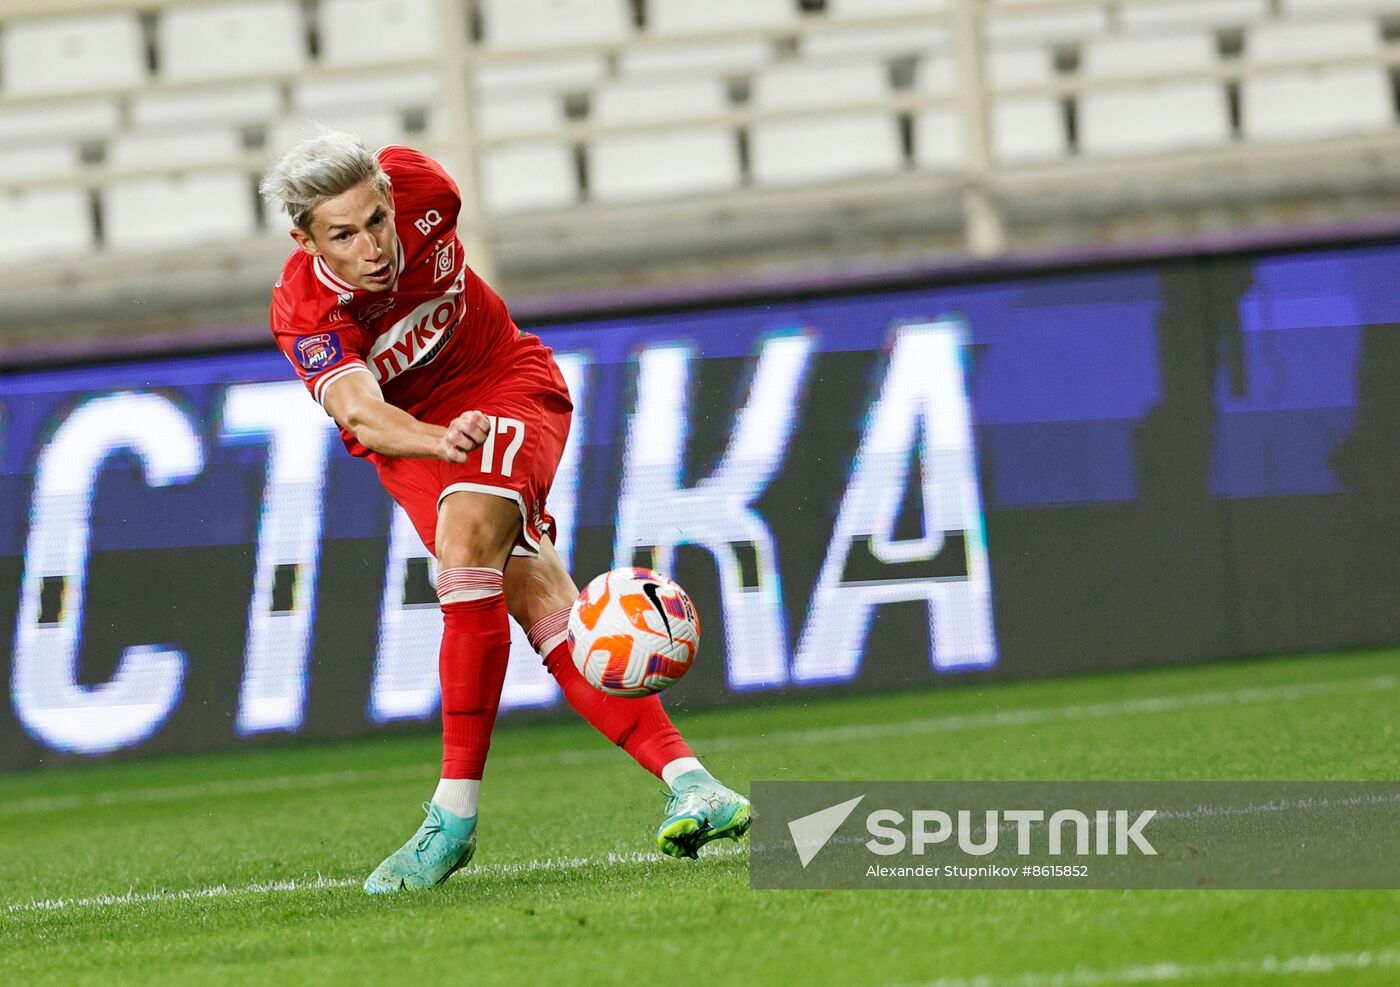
(576, 127)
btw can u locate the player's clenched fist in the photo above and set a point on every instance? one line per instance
(467, 432)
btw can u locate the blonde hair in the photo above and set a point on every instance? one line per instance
(318, 169)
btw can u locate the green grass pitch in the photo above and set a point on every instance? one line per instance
(245, 868)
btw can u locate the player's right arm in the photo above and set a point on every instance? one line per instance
(356, 403)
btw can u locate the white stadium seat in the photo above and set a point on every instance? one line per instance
(839, 145)
(528, 176)
(231, 39)
(885, 42)
(827, 147)
(19, 164)
(708, 57)
(1146, 56)
(1306, 103)
(1050, 25)
(76, 119)
(1030, 127)
(367, 91)
(1019, 67)
(563, 73)
(503, 116)
(936, 75)
(174, 149)
(1152, 116)
(879, 8)
(1335, 7)
(162, 213)
(1191, 13)
(665, 17)
(356, 32)
(45, 223)
(668, 162)
(664, 164)
(938, 140)
(436, 126)
(793, 86)
(1312, 39)
(252, 103)
(1324, 104)
(375, 127)
(1150, 119)
(72, 54)
(938, 132)
(645, 102)
(518, 24)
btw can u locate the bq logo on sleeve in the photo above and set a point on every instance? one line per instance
(318, 352)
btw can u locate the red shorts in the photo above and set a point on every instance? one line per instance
(529, 408)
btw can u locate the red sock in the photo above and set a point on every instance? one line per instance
(471, 666)
(639, 725)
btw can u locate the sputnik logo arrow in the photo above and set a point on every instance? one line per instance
(812, 832)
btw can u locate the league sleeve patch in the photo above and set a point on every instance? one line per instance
(316, 353)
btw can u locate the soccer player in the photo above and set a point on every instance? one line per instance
(465, 417)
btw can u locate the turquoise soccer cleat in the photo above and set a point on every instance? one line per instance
(443, 845)
(699, 810)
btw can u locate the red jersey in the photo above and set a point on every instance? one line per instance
(439, 331)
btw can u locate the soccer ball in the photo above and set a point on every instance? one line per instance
(633, 632)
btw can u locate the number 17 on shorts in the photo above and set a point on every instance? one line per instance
(502, 443)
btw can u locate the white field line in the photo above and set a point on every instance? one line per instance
(1311, 964)
(868, 731)
(553, 864)
(1078, 711)
(319, 882)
